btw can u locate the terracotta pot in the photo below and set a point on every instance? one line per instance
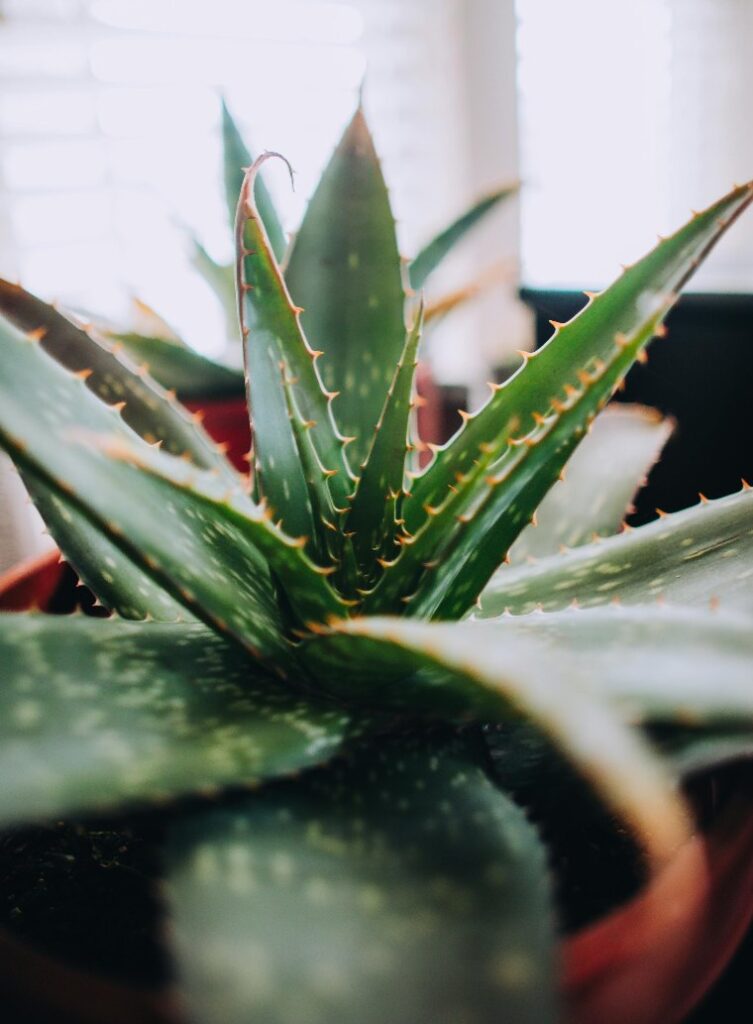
(649, 962)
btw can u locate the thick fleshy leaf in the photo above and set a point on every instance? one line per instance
(658, 664)
(443, 568)
(373, 512)
(273, 338)
(229, 531)
(345, 271)
(401, 886)
(627, 309)
(463, 671)
(117, 583)
(703, 554)
(435, 251)
(95, 714)
(601, 478)
(236, 160)
(188, 373)
(473, 526)
(211, 565)
(146, 408)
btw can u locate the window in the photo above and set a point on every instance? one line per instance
(109, 113)
(633, 112)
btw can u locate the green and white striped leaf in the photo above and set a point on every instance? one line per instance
(631, 308)
(345, 271)
(601, 478)
(99, 714)
(700, 555)
(434, 252)
(463, 671)
(400, 886)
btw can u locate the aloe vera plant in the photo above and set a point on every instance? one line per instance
(193, 376)
(327, 653)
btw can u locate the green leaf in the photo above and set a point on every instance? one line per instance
(181, 369)
(601, 478)
(221, 279)
(345, 271)
(703, 554)
(373, 512)
(236, 160)
(273, 337)
(113, 578)
(148, 410)
(657, 664)
(461, 672)
(401, 886)
(435, 251)
(95, 714)
(497, 494)
(117, 583)
(213, 567)
(236, 534)
(629, 308)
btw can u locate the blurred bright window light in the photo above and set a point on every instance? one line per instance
(109, 142)
(633, 112)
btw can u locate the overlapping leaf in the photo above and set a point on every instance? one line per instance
(462, 671)
(601, 478)
(273, 338)
(345, 271)
(97, 714)
(401, 886)
(703, 554)
(483, 488)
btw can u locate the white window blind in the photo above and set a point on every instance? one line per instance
(109, 114)
(633, 112)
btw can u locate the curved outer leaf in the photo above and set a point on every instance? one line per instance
(345, 271)
(626, 308)
(273, 336)
(373, 511)
(236, 160)
(116, 582)
(660, 665)
(225, 516)
(98, 713)
(188, 373)
(435, 251)
(151, 412)
(692, 557)
(401, 886)
(212, 567)
(461, 671)
(601, 478)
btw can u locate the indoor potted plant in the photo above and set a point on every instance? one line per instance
(314, 637)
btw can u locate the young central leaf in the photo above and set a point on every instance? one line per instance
(345, 272)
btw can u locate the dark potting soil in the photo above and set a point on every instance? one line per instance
(88, 896)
